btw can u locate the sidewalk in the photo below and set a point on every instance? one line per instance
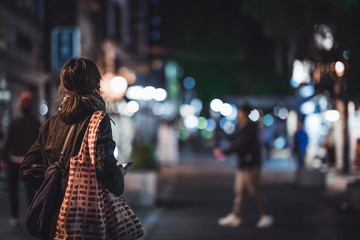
(6, 231)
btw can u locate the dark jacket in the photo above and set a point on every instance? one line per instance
(49, 144)
(246, 145)
(21, 135)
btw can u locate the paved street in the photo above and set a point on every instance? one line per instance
(202, 193)
(194, 194)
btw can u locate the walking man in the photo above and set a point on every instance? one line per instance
(246, 145)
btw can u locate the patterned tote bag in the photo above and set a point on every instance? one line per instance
(89, 210)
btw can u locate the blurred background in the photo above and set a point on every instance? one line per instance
(173, 74)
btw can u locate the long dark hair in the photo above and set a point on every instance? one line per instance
(79, 89)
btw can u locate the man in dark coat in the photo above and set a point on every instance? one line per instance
(246, 145)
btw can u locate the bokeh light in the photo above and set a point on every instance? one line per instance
(148, 93)
(332, 115)
(158, 109)
(283, 113)
(197, 104)
(132, 107)
(229, 127)
(210, 125)
(187, 110)
(280, 143)
(268, 120)
(254, 115)
(323, 37)
(339, 68)
(189, 83)
(202, 123)
(191, 122)
(226, 109)
(307, 107)
(301, 72)
(118, 84)
(306, 91)
(160, 94)
(216, 105)
(43, 108)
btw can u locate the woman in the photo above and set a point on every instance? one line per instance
(80, 93)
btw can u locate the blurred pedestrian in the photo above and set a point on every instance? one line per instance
(246, 144)
(80, 98)
(300, 145)
(22, 132)
(329, 145)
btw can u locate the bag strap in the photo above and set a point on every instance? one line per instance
(93, 132)
(62, 154)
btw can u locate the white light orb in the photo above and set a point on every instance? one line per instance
(307, 107)
(301, 71)
(186, 110)
(160, 94)
(332, 115)
(132, 107)
(135, 92)
(118, 84)
(216, 105)
(339, 68)
(43, 108)
(306, 91)
(283, 113)
(226, 109)
(191, 122)
(254, 115)
(148, 93)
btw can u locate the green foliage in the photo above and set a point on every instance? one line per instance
(143, 156)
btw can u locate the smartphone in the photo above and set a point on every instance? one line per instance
(126, 165)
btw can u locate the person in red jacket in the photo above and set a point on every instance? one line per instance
(22, 132)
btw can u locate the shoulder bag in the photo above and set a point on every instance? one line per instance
(89, 210)
(48, 198)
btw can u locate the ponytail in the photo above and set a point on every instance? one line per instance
(74, 105)
(79, 89)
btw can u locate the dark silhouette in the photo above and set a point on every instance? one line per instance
(246, 144)
(300, 145)
(22, 133)
(80, 97)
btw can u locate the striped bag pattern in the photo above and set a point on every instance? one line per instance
(89, 210)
